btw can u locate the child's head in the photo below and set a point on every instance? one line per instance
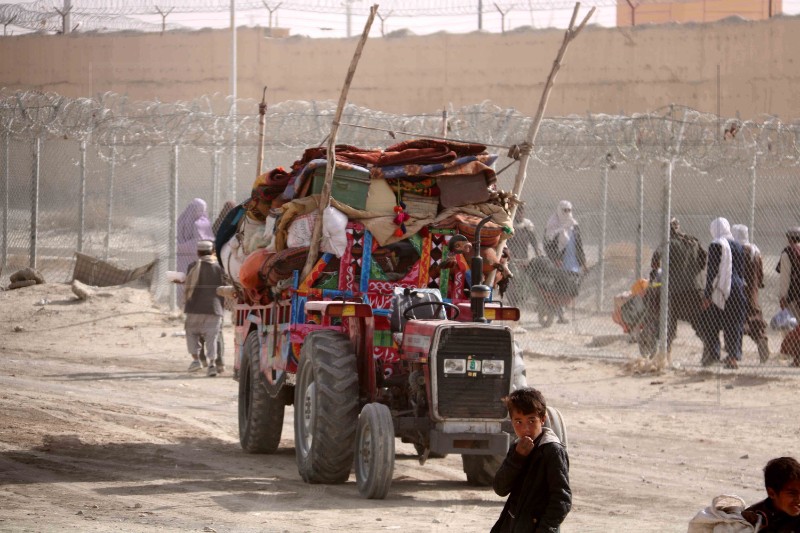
(527, 410)
(782, 478)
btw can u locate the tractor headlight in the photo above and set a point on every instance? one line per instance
(493, 366)
(455, 366)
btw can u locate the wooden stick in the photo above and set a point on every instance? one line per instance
(262, 111)
(527, 148)
(325, 196)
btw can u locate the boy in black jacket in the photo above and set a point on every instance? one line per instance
(535, 471)
(780, 513)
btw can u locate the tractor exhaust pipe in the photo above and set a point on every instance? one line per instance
(477, 302)
(478, 293)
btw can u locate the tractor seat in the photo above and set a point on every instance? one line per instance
(403, 298)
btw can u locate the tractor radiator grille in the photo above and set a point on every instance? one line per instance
(473, 394)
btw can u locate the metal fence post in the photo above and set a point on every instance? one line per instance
(172, 260)
(82, 206)
(752, 221)
(6, 178)
(664, 300)
(674, 151)
(315, 112)
(37, 149)
(640, 226)
(109, 203)
(233, 159)
(602, 250)
(215, 189)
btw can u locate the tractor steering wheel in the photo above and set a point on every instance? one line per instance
(409, 316)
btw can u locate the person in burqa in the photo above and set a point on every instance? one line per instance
(193, 226)
(724, 299)
(563, 245)
(754, 324)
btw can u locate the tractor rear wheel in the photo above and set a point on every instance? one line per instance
(374, 451)
(480, 469)
(260, 415)
(326, 407)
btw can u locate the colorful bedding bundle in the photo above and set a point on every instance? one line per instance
(448, 185)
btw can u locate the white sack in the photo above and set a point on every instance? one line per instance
(724, 515)
(334, 234)
(299, 233)
(231, 257)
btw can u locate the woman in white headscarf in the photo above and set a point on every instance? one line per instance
(563, 245)
(724, 295)
(754, 324)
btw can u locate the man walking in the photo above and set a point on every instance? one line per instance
(687, 259)
(203, 308)
(724, 296)
(789, 270)
(754, 324)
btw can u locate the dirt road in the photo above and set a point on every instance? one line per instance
(101, 429)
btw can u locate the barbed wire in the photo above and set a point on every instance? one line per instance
(357, 7)
(45, 18)
(702, 141)
(117, 15)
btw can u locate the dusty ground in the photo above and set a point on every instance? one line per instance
(101, 429)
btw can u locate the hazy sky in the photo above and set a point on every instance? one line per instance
(335, 25)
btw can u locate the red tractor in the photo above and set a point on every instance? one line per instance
(372, 360)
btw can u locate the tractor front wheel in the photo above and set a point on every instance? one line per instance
(260, 415)
(326, 407)
(374, 451)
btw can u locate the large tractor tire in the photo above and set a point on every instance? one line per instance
(556, 422)
(260, 415)
(326, 408)
(374, 451)
(480, 469)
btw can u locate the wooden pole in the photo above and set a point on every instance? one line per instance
(325, 195)
(262, 124)
(526, 148)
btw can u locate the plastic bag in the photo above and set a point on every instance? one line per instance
(334, 235)
(783, 320)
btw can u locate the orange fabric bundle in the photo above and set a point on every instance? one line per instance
(250, 273)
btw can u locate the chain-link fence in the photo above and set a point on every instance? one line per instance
(108, 177)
